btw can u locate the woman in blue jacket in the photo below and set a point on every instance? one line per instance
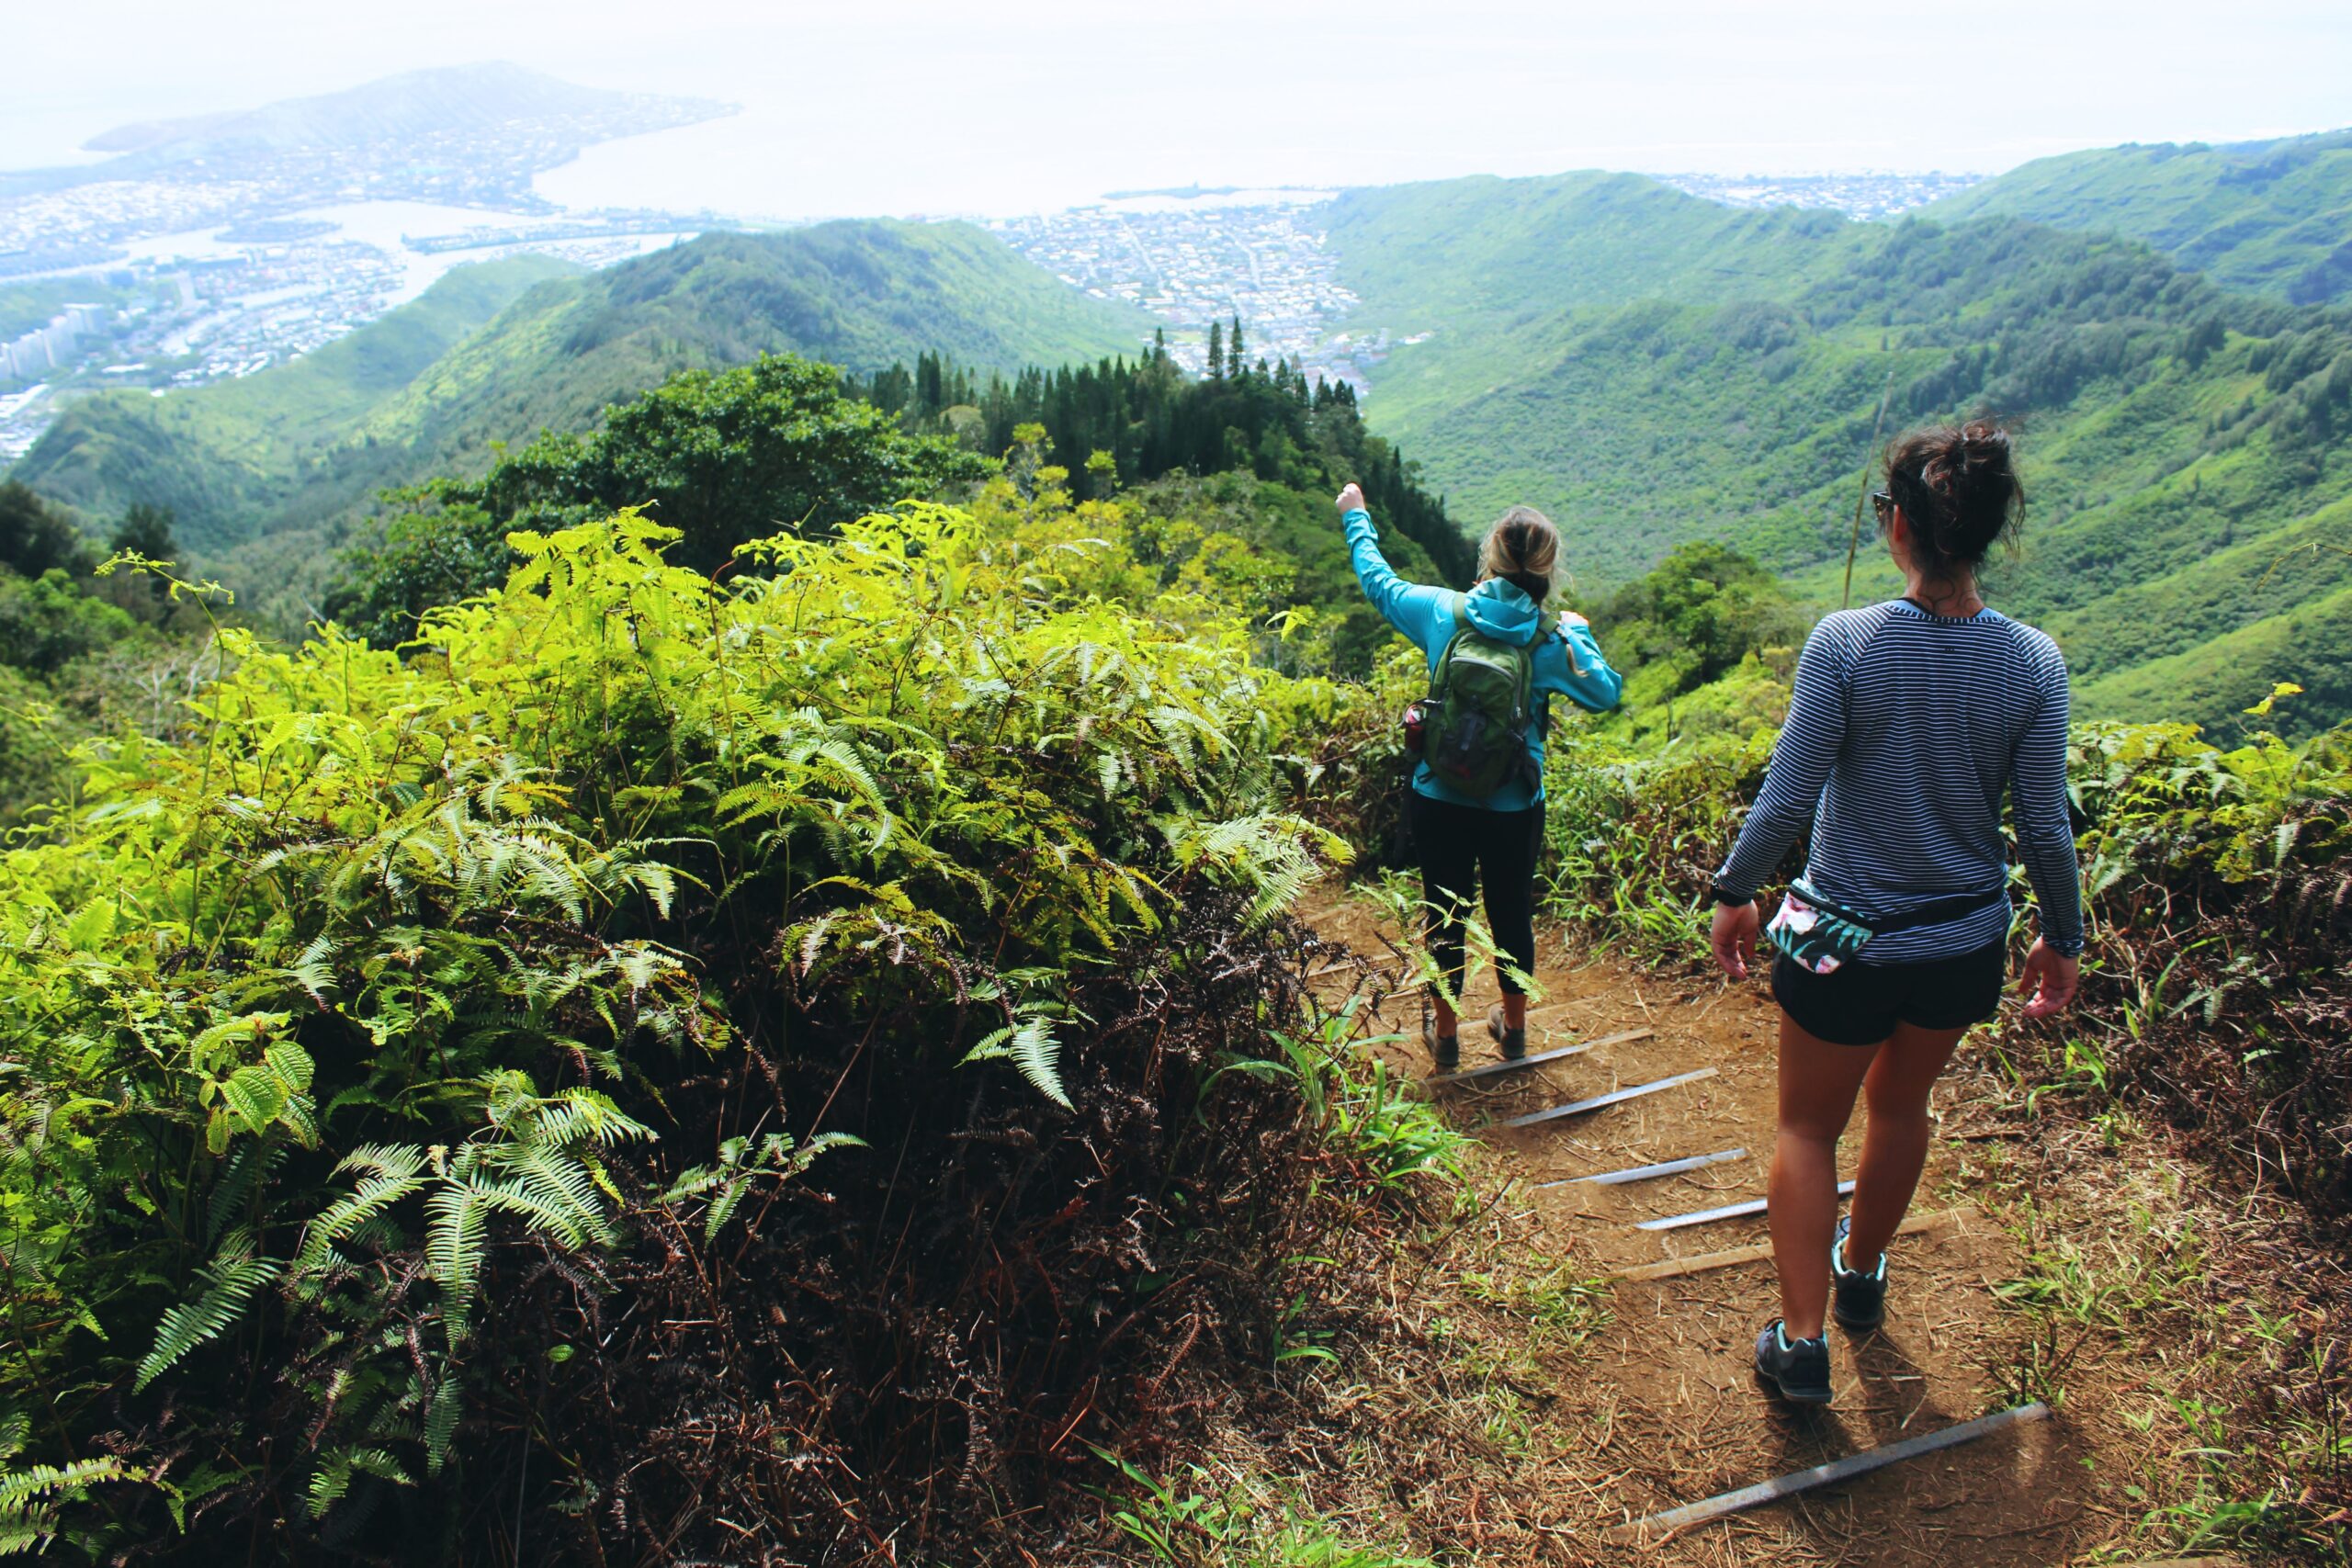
(1462, 838)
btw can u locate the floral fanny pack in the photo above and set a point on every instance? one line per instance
(1819, 935)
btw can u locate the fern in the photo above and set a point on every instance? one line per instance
(730, 1179)
(231, 1282)
(30, 1499)
(456, 1233)
(333, 1479)
(441, 1415)
(1029, 1044)
(387, 1175)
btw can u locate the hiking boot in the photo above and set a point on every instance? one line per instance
(1445, 1050)
(1798, 1370)
(1513, 1040)
(1858, 1301)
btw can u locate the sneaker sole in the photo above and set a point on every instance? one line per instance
(1860, 1325)
(1773, 1384)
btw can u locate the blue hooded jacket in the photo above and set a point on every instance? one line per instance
(1569, 662)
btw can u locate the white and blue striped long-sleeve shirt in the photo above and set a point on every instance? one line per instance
(1905, 730)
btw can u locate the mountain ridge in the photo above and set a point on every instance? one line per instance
(554, 354)
(2272, 216)
(1718, 380)
(411, 103)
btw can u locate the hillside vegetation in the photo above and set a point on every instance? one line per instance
(2274, 216)
(769, 1023)
(229, 456)
(2182, 457)
(263, 473)
(817, 1050)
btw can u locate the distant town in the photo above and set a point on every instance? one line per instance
(1192, 260)
(212, 249)
(1872, 196)
(208, 251)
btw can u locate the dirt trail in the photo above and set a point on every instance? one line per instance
(1661, 1408)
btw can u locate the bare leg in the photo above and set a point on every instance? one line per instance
(1818, 1082)
(1894, 1144)
(1446, 1022)
(1514, 1010)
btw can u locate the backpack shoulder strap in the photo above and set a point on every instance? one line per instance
(1462, 628)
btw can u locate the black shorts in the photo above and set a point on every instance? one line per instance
(1859, 1004)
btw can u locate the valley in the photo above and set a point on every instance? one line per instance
(742, 898)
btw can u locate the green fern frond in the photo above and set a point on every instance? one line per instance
(333, 1476)
(242, 1174)
(231, 1285)
(387, 1175)
(28, 1497)
(456, 1233)
(1029, 1044)
(441, 1415)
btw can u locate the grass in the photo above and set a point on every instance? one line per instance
(2237, 1412)
(1201, 1518)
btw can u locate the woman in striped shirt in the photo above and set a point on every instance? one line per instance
(1910, 721)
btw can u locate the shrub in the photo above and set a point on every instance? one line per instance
(667, 1054)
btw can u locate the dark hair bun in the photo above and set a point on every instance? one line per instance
(1958, 489)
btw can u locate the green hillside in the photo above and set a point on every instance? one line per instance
(1483, 252)
(432, 387)
(226, 455)
(2274, 216)
(2179, 437)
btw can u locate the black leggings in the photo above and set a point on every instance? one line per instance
(1458, 846)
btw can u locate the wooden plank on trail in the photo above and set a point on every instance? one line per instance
(1675, 1267)
(1658, 1525)
(1728, 1211)
(1489, 1069)
(1598, 1101)
(1648, 1173)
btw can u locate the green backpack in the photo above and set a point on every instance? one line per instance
(1475, 722)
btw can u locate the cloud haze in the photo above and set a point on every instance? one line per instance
(903, 107)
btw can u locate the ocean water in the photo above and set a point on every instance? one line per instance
(779, 162)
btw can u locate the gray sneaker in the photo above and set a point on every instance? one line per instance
(1859, 1299)
(1797, 1370)
(1513, 1040)
(1445, 1050)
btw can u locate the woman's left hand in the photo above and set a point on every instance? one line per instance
(2049, 981)
(1350, 499)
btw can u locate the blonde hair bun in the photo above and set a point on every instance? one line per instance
(1522, 548)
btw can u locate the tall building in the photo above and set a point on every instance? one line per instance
(55, 345)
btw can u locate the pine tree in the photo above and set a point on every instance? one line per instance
(1233, 349)
(1216, 351)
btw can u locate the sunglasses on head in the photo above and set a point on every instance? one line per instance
(1883, 505)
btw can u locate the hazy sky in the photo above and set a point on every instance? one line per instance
(872, 106)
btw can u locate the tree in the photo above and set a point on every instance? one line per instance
(145, 529)
(1706, 606)
(771, 447)
(35, 536)
(1233, 349)
(1216, 351)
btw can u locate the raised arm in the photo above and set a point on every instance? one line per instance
(1407, 606)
